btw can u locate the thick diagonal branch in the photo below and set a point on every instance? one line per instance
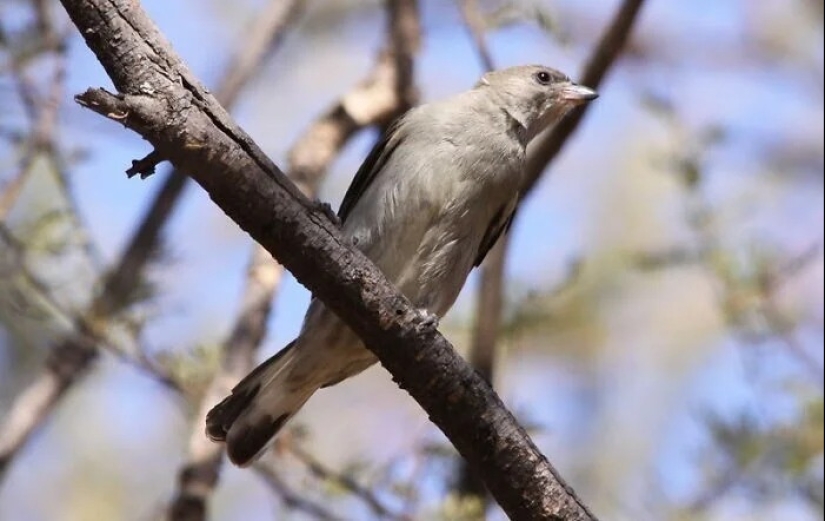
(161, 99)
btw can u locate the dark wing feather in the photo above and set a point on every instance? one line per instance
(499, 225)
(373, 164)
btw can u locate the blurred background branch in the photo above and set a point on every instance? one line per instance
(381, 96)
(490, 300)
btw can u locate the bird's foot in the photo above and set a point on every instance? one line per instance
(428, 319)
(327, 210)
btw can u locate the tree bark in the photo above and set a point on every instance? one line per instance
(160, 99)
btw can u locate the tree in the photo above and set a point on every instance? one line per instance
(113, 319)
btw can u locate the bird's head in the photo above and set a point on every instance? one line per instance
(536, 97)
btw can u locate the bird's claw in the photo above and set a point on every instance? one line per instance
(327, 210)
(428, 319)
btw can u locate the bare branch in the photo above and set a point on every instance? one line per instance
(387, 92)
(64, 365)
(613, 40)
(162, 100)
(265, 469)
(42, 115)
(779, 327)
(319, 470)
(199, 474)
(474, 22)
(491, 289)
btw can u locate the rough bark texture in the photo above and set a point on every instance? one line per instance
(485, 337)
(160, 99)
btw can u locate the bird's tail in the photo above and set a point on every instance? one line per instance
(249, 418)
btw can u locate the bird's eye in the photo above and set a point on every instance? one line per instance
(543, 77)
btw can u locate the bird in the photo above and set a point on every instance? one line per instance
(426, 205)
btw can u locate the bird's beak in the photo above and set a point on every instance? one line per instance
(578, 94)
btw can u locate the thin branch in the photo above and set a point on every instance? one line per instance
(487, 326)
(163, 101)
(320, 471)
(265, 469)
(79, 325)
(610, 46)
(309, 160)
(474, 23)
(387, 92)
(75, 353)
(42, 115)
(770, 284)
(65, 364)
(14, 186)
(199, 474)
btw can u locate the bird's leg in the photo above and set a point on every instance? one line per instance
(325, 208)
(428, 319)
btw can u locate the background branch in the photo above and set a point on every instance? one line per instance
(265, 468)
(309, 160)
(73, 355)
(490, 299)
(547, 146)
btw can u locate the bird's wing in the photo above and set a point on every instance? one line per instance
(373, 164)
(498, 225)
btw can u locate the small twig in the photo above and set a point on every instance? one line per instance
(70, 357)
(146, 166)
(82, 326)
(42, 115)
(320, 471)
(474, 22)
(293, 500)
(12, 189)
(720, 485)
(772, 283)
(793, 266)
(779, 328)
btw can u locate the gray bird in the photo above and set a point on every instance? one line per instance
(426, 206)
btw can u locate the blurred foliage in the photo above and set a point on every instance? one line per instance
(765, 462)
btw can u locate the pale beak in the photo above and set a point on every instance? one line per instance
(578, 94)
